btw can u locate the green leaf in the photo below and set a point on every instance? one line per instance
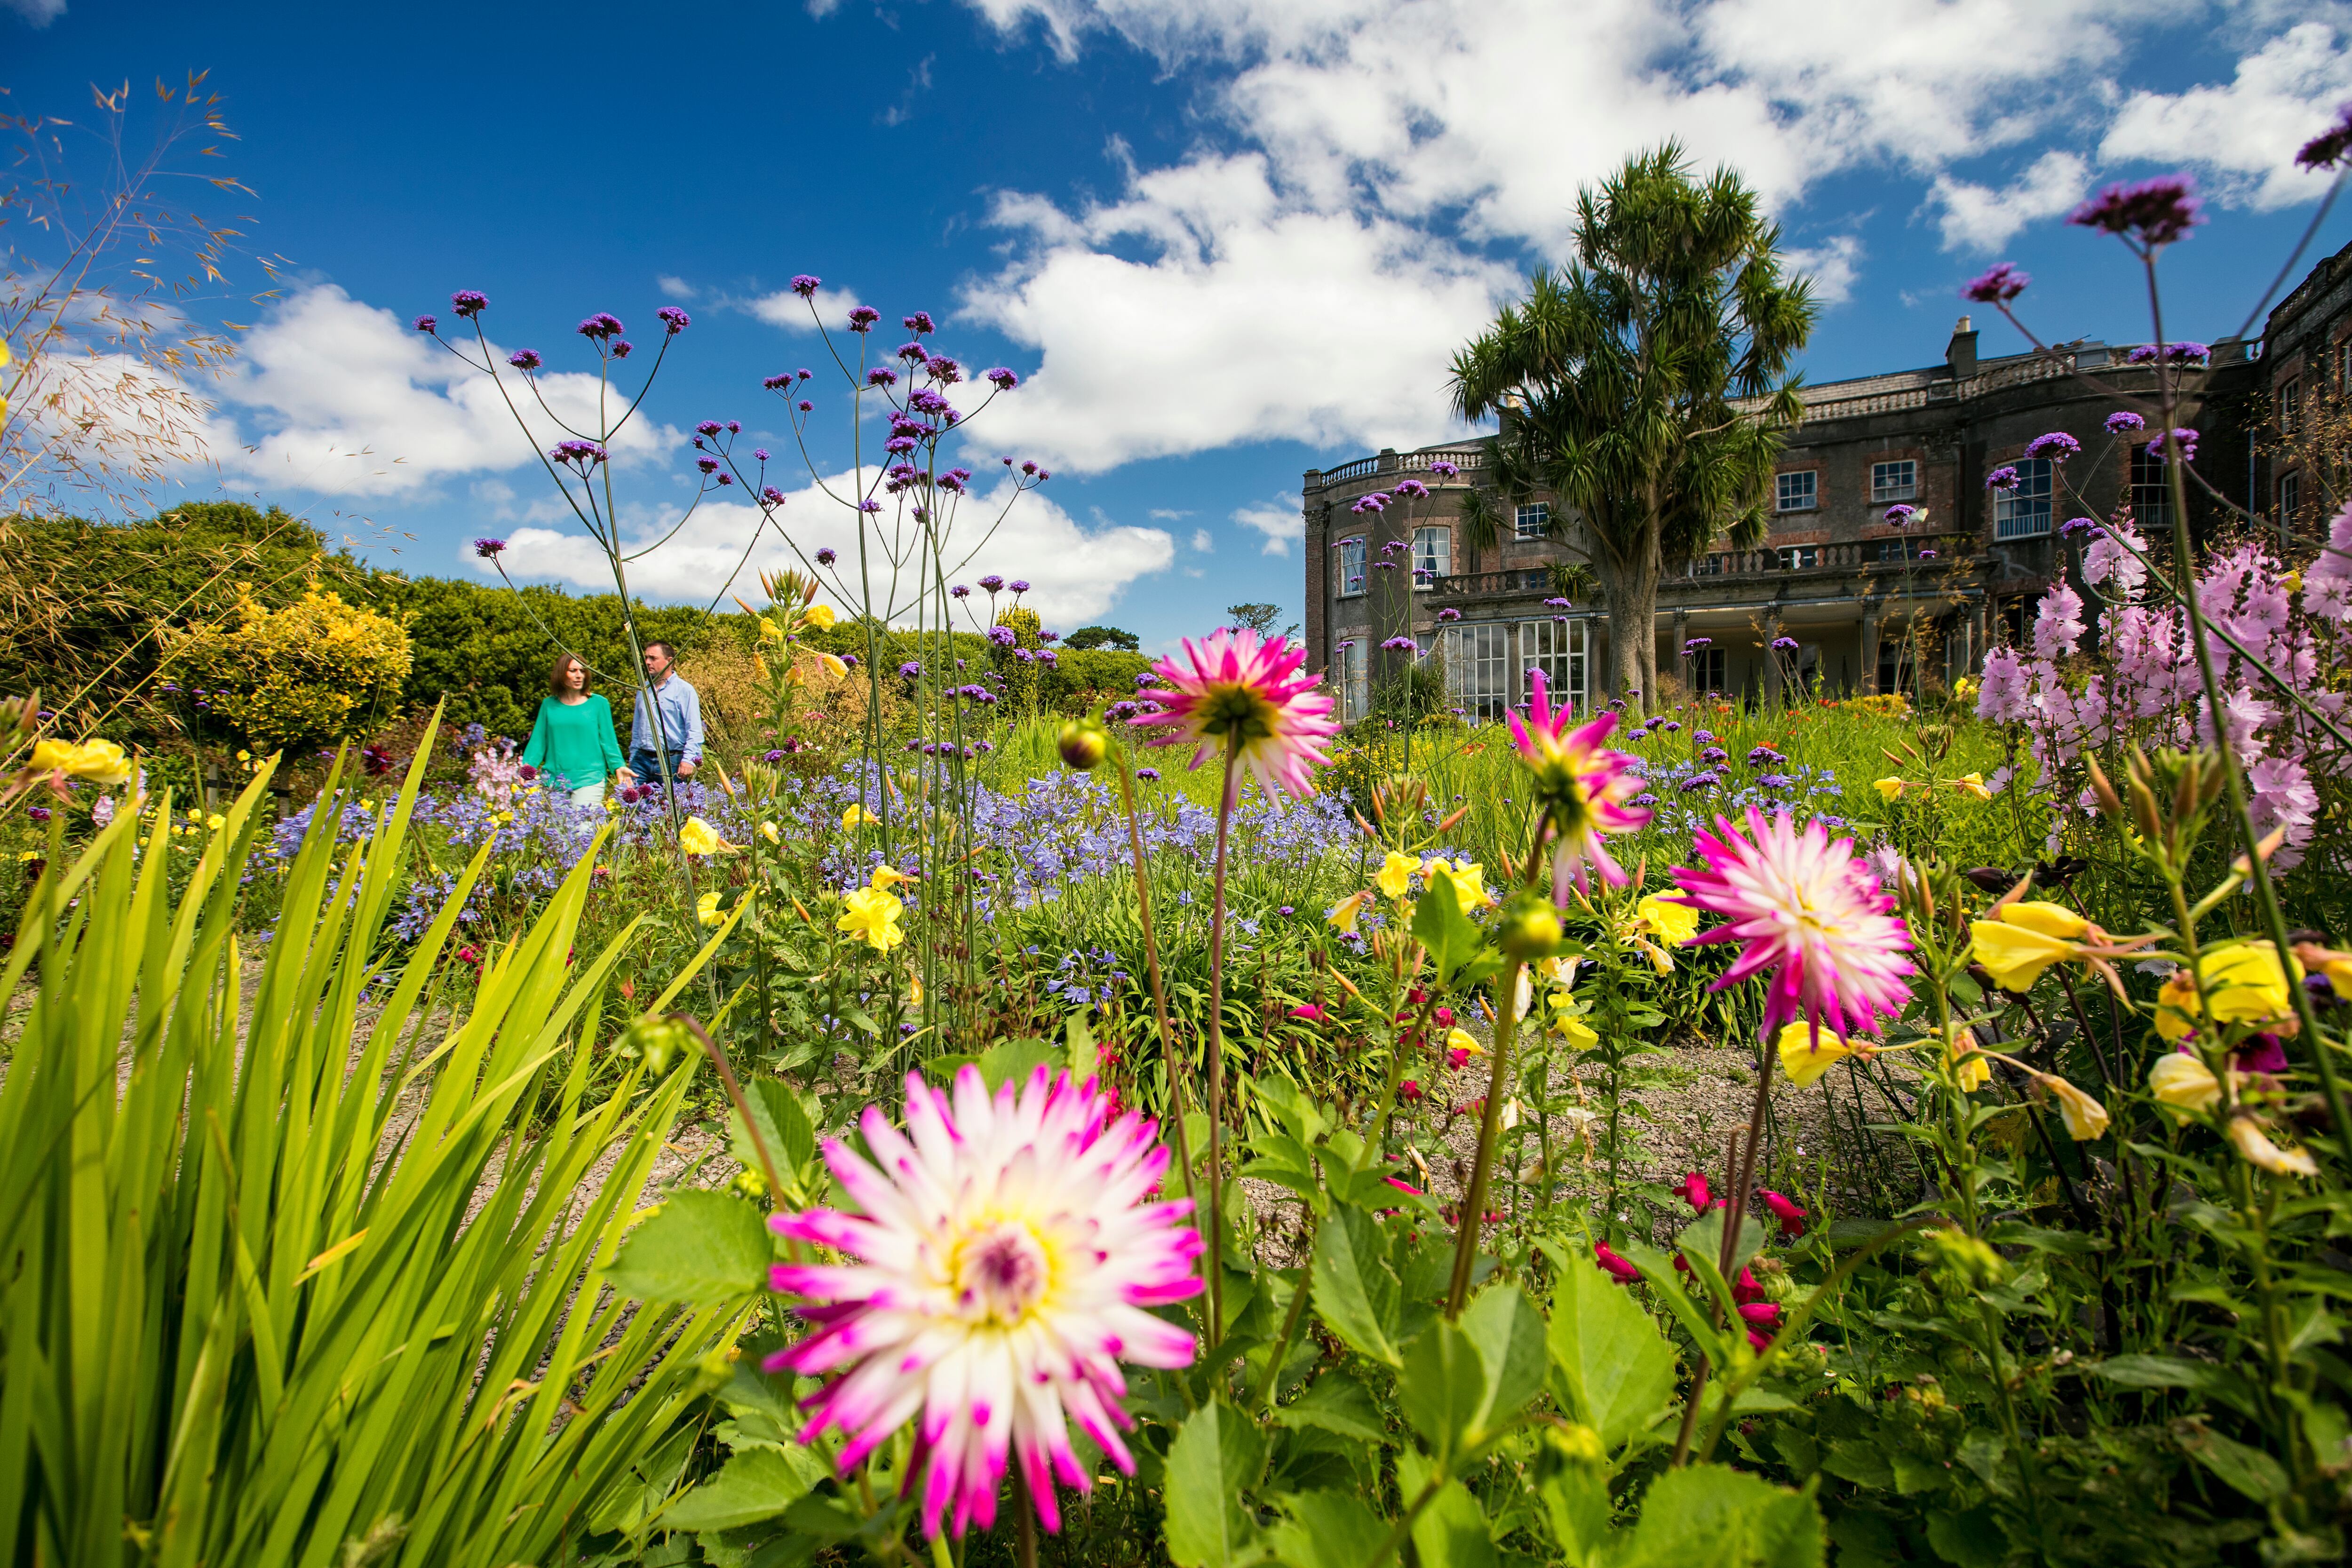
(1356, 1292)
(2249, 1472)
(1339, 1405)
(1863, 1464)
(1326, 1529)
(1443, 1389)
(781, 1122)
(1011, 1061)
(1969, 1540)
(1213, 1461)
(1616, 1370)
(1717, 1517)
(703, 1249)
(1689, 1311)
(756, 1484)
(1452, 1531)
(1084, 1059)
(1508, 1332)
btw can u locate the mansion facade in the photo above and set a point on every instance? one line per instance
(1831, 598)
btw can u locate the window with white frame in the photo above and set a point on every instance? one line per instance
(1432, 555)
(1352, 699)
(1478, 668)
(1893, 481)
(2290, 496)
(1351, 565)
(2150, 490)
(1532, 520)
(2023, 510)
(1801, 491)
(1556, 648)
(2290, 405)
(1707, 667)
(1793, 556)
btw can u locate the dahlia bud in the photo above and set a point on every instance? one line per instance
(1529, 929)
(1083, 743)
(658, 1042)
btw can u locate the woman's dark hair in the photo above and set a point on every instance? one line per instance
(555, 687)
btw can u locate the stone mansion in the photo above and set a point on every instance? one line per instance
(1832, 576)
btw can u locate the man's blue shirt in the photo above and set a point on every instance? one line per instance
(681, 719)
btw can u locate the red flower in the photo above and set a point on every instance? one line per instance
(1616, 1267)
(1763, 1314)
(1311, 1014)
(1791, 1217)
(1694, 1192)
(1409, 1089)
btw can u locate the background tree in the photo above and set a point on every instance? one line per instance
(1647, 384)
(1259, 618)
(1086, 638)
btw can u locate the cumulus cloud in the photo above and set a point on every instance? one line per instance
(2248, 130)
(40, 13)
(1977, 218)
(1203, 541)
(1833, 267)
(1279, 520)
(349, 401)
(787, 310)
(1076, 572)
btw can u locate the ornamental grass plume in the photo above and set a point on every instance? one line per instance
(1234, 689)
(1807, 910)
(1006, 1258)
(1583, 788)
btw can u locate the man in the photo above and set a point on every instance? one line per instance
(667, 722)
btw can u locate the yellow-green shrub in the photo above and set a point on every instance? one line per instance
(316, 671)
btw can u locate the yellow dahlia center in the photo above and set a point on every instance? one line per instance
(1002, 1271)
(1228, 708)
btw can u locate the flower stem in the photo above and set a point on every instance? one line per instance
(1151, 970)
(1490, 1132)
(1217, 1043)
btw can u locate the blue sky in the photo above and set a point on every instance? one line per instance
(1223, 240)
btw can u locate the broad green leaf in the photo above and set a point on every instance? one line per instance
(1971, 1540)
(702, 1248)
(1452, 1531)
(1214, 1460)
(2249, 1472)
(1326, 1529)
(1083, 1059)
(1616, 1371)
(755, 1485)
(1355, 1293)
(1443, 1389)
(1576, 1504)
(1509, 1333)
(1012, 1062)
(1339, 1404)
(1688, 1309)
(1711, 1516)
(781, 1122)
(1438, 924)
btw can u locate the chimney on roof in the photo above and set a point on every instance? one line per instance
(1960, 353)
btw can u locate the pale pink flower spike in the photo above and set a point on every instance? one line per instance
(1006, 1260)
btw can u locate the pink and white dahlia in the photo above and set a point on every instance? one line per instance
(1809, 911)
(1234, 687)
(1004, 1259)
(1584, 788)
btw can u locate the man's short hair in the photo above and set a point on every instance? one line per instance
(668, 652)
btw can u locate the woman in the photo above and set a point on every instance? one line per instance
(572, 740)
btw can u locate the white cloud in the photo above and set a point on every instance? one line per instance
(40, 13)
(674, 287)
(353, 402)
(1833, 266)
(2247, 131)
(1076, 572)
(1203, 541)
(1279, 520)
(787, 310)
(1977, 218)
(1170, 514)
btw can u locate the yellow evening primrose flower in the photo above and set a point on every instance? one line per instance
(834, 663)
(768, 831)
(856, 817)
(1342, 915)
(2085, 1118)
(1396, 875)
(1970, 1069)
(818, 615)
(24, 855)
(1972, 783)
(769, 631)
(2026, 939)
(2247, 985)
(2256, 1146)
(1469, 881)
(706, 909)
(1572, 1029)
(243, 755)
(1558, 970)
(215, 822)
(1464, 1040)
(101, 761)
(1889, 789)
(1668, 917)
(699, 837)
(1807, 1053)
(871, 915)
(886, 878)
(2181, 1084)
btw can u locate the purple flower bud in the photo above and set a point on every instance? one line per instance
(490, 549)
(850, 659)
(993, 583)
(943, 370)
(2124, 419)
(1785, 645)
(1002, 637)
(2325, 150)
(1028, 467)
(863, 318)
(805, 285)
(759, 454)
(726, 479)
(624, 349)
(586, 454)
(2001, 478)
(2077, 525)
(425, 323)
(826, 557)
(525, 360)
(881, 375)
(913, 352)
(603, 324)
(2184, 440)
(806, 405)
(673, 320)
(708, 427)
(1003, 380)
(869, 506)
(2158, 211)
(960, 592)
(773, 496)
(1899, 514)
(919, 323)
(910, 669)
(469, 303)
(2057, 447)
(1145, 679)
(1018, 586)
(1997, 286)
(1401, 645)
(708, 465)
(1449, 614)
(1926, 555)
(1445, 470)
(1414, 488)
(777, 383)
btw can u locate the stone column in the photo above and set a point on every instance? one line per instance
(1867, 675)
(1675, 663)
(1771, 658)
(1322, 571)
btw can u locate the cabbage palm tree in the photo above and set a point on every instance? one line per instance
(1646, 385)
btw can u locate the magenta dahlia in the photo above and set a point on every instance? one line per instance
(1810, 911)
(1005, 1261)
(1584, 788)
(1233, 688)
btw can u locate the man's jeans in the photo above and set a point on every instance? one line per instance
(648, 767)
